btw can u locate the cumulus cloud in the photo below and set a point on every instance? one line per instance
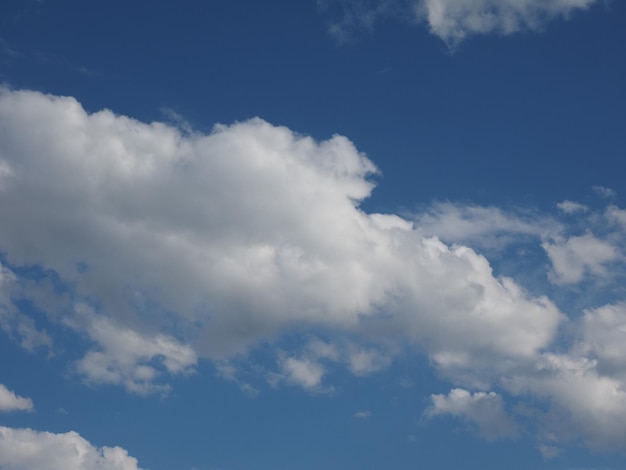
(177, 245)
(241, 233)
(303, 372)
(603, 337)
(9, 401)
(484, 411)
(26, 449)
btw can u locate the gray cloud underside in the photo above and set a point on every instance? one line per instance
(178, 246)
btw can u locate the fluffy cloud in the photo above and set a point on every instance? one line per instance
(302, 372)
(9, 401)
(584, 401)
(603, 337)
(576, 256)
(484, 411)
(126, 357)
(26, 449)
(242, 233)
(173, 246)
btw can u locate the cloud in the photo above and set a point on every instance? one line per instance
(585, 402)
(26, 449)
(17, 325)
(9, 401)
(603, 337)
(172, 246)
(549, 452)
(576, 256)
(571, 207)
(257, 230)
(366, 361)
(302, 372)
(453, 20)
(484, 411)
(482, 227)
(126, 357)
(605, 192)
(363, 414)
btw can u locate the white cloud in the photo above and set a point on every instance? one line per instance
(26, 449)
(367, 361)
(584, 402)
(616, 215)
(455, 20)
(9, 401)
(484, 411)
(256, 228)
(363, 414)
(322, 350)
(303, 372)
(481, 227)
(571, 207)
(576, 256)
(126, 357)
(182, 244)
(603, 336)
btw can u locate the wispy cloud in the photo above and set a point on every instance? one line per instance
(453, 20)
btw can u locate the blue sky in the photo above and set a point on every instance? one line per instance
(298, 235)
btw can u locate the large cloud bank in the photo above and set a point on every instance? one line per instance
(174, 246)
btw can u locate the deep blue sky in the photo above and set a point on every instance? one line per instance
(511, 123)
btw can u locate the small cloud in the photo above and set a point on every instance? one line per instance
(303, 372)
(549, 452)
(364, 414)
(575, 257)
(366, 361)
(9, 401)
(605, 192)
(483, 411)
(571, 207)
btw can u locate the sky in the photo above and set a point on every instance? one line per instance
(338, 234)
